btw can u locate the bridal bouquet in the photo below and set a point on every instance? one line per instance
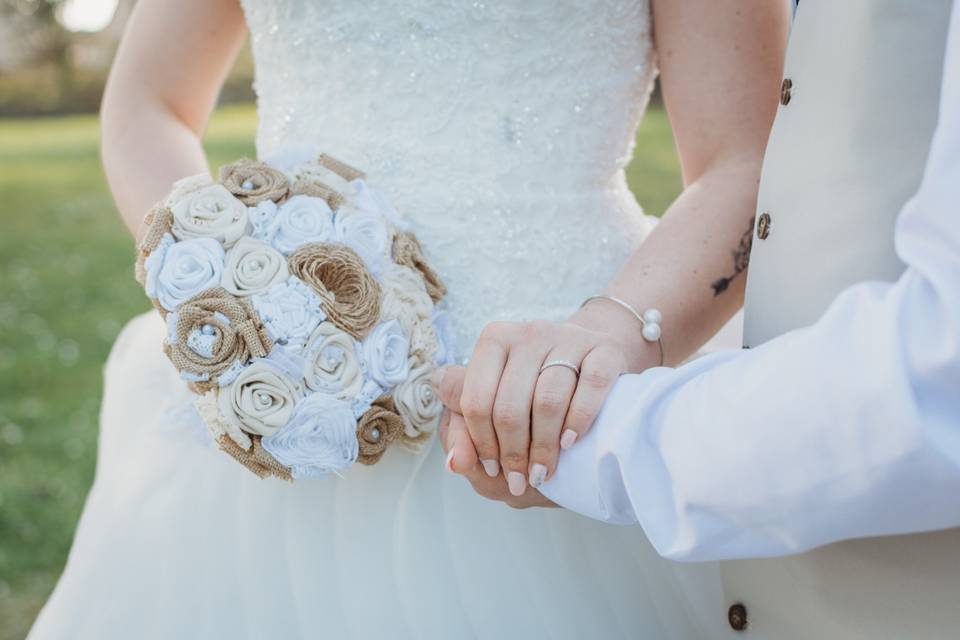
(301, 310)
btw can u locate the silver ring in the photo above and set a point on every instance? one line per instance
(566, 364)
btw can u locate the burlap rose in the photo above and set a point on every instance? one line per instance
(260, 400)
(331, 363)
(407, 251)
(256, 458)
(417, 403)
(210, 212)
(253, 182)
(251, 267)
(350, 294)
(156, 224)
(377, 428)
(232, 327)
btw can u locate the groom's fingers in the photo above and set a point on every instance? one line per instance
(598, 372)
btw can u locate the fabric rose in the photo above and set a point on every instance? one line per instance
(300, 220)
(351, 296)
(211, 332)
(290, 311)
(252, 182)
(331, 363)
(367, 200)
(404, 297)
(176, 271)
(366, 234)
(183, 186)
(407, 251)
(210, 212)
(208, 407)
(385, 353)
(376, 429)
(260, 400)
(252, 267)
(319, 438)
(416, 402)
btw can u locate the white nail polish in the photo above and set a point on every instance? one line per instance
(568, 438)
(449, 462)
(516, 482)
(538, 473)
(492, 467)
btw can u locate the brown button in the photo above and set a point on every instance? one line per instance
(785, 91)
(737, 617)
(763, 226)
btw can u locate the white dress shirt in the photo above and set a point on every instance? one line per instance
(847, 428)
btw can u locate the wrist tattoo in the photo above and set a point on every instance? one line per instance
(741, 259)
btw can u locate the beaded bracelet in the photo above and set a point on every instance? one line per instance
(650, 319)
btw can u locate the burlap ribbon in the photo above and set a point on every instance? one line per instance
(340, 168)
(256, 459)
(407, 251)
(317, 189)
(350, 294)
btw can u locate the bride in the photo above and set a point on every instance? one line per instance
(501, 129)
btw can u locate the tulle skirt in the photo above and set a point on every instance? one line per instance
(179, 541)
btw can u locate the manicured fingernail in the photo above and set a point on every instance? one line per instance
(568, 438)
(437, 378)
(517, 483)
(449, 463)
(538, 473)
(492, 467)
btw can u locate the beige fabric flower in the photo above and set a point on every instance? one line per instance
(407, 251)
(183, 186)
(251, 267)
(253, 182)
(260, 400)
(210, 212)
(416, 402)
(233, 331)
(350, 294)
(377, 428)
(208, 406)
(332, 364)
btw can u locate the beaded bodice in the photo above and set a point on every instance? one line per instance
(499, 128)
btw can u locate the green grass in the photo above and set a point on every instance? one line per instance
(66, 289)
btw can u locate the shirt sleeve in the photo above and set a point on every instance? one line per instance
(847, 428)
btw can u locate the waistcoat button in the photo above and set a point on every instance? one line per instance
(763, 226)
(785, 91)
(737, 617)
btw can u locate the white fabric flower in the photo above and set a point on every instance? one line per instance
(367, 200)
(404, 296)
(331, 363)
(210, 212)
(177, 271)
(320, 437)
(290, 311)
(416, 402)
(385, 353)
(251, 267)
(367, 234)
(262, 220)
(260, 400)
(300, 220)
(183, 186)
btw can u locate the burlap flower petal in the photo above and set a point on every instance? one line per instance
(377, 428)
(253, 182)
(407, 251)
(256, 459)
(350, 294)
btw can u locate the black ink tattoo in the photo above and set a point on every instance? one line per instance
(741, 258)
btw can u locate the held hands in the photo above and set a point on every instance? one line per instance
(512, 414)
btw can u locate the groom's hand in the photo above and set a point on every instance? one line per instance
(461, 455)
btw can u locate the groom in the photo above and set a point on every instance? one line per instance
(842, 421)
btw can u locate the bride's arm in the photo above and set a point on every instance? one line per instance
(720, 63)
(162, 87)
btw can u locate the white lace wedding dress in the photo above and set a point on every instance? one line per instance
(501, 129)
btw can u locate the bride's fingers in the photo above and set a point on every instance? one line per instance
(448, 385)
(480, 389)
(551, 399)
(511, 414)
(599, 370)
(462, 456)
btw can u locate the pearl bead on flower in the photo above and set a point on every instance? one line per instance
(207, 330)
(247, 185)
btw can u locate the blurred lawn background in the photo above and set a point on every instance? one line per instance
(66, 289)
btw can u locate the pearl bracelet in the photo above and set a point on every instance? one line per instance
(650, 319)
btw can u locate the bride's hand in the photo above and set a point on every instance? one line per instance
(519, 416)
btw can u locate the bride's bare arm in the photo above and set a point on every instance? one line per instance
(720, 64)
(162, 87)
